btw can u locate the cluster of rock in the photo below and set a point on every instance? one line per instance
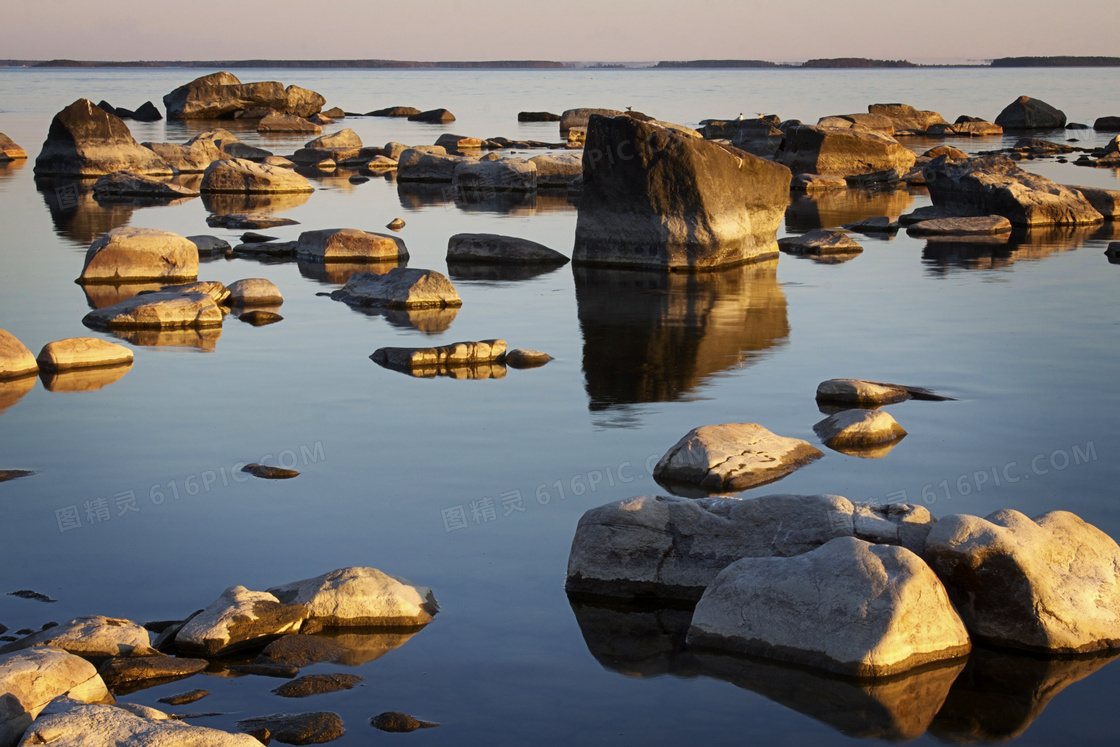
(55, 680)
(484, 359)
(222, 96)
(73, 364)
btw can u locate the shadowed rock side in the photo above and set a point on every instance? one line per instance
(652, 337)
(655, 198)
(86, 141)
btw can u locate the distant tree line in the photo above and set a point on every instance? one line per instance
(716, 63)
(1056, 62)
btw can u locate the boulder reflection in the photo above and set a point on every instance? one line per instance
(944, 256)
(76, 215)
(656, 337)
(13, 390)
(833, 209)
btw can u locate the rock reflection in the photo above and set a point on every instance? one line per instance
(463, 372)
(11, 168)
(338, 273)
(204, 339)
(1000, 693)
(417, 196)
(833, 209)
(656, 337)
(942, 256)
(428, 321)
(260, 204)
(497, 272)
(101, 295)
(83, 379)
(364, 645)
(13, 390)
(634, 639)
(76, 215)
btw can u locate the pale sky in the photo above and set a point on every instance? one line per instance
(564, 30)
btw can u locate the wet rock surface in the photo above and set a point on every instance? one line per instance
(317, 684)
(297, 728)
(395, 721)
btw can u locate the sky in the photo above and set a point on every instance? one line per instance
(564, 30)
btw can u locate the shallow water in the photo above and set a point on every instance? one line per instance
(1024, 336)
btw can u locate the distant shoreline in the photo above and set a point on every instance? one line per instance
(816, 64)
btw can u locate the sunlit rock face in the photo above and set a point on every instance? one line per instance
(655, 198)
(844, 151)
(86, 141)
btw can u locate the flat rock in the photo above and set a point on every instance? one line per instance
(238, 619)
(557, 169)
(906, 119)
(1048, 585)
(302, 650)
(123, 184)
(522, 358)
(249, 221)
(455, 354)
(654, 198)
(240, 176)
(861, 392)
(877, 225)
(125, 670)
(266, 668)
(5, 476)
(672, 548)
(868, 121)
(350, 244)
(86, 141)
(277, 122)
(848, 607)
(260, 317)
(33, 678)
(209, 246)
(844, 152)
(16, 361)
(192, 696)
(1025, 113)
(451, 141)
(394, 111)
(537, 117)
(82, 352)
(819, 242)
(9, 151)
(297, 728)
(854, 430)
(66, 723)
(364, 597)
(811, 183)
(498, 176)
(132, 254)
(432, 116)
(159, 310)
(254, 292)
(401, 288)
(489, 248)
(212, 288)
(733, 457)
(573, 118)
(985, 225)
(395, 721)
(268, 472)
(317, 684)
(91, 637)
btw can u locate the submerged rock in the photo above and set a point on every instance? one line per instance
(394, 111)
(238, 619)
(297, 728)
(733, 457)
(85, 141)
(1047, 585)
(672, 548)
(653, 198)
(302, 650)
(32, 679)
(186, 698)
(359, 597)
(1025, 113)
(401, 288)
(487, 248)
(93, 637)
(848, 607)
(317, 684)
(349, 244)
(131, 254)
(16, 361)
(395, 721)
(240, 176)
(277, 122)
(246, 220)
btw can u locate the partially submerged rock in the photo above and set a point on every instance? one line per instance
(521, 358)
(210, 246)
(277, 122)
(32, 679)
(186, 698)
(302, 650)
(16, 361)
(432, 116)
(733, 457)
(1025, 113)
(985, 225)
(395, 721)
(489, 248)
(350, 244)
(847, 152)
(428, 165)
(124, 184)
(811, 183)
(122, 671)
(1048, 585)
(92, 637)
(401, 288)
(503, 175)
(133, 254)
(159, 310)
(855, 430)
(672, 548)
(455, 354)
(820, 242)
(317, 684)
(9, 151)
(848, 607)
(268, 472)
(862, 393)
(240, 176)
(573, 118)
(394, 111)
(1104, 201)
(906, 119)
(359, 597)
(557, 169)
(254, 292)
(238, 619)
(86, 141)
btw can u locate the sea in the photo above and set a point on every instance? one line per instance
(473, 488)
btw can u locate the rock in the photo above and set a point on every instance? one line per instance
(1113, 145)
(86, 141)
(1025, 113)
(873, 226)
(82, 352)
(360, 597)
(66, 723)
(876, 122)
(302, 102)
(238, 175)
(521, 358)
(342, 140)
(244, 220)
(381, 163)
(33, 595)
(656, 199)
(863, 393)
(1047, 585)
(192, 158)
(16, 361)
(994, 185)
(132, 254)
(844, 152)
(488, 248)
(280, 161)
(277, 122)
(820, 241)
(395, 111)
(32, 679)
(855, 430)
(906, 119)
(238, 619)
(254, 292)
(297, 728)
(433, 116)
(966, 126)
(5, 476)
(672, 548)
(980, 226)
(1107, 124)
(848, 607)
(446, 356)
(246, 152)
(504, 175)
(188, 96)
(557, 170)
(212, 288)
(9, 151)
(125, 670)
(416, 165)
(350, 244)
(451, 142)
(186, 698)
(147, 112)
(812, 183)
(275, 249)
(732, 457)
(577, 136)
(267, 472)
(401, 288)
(758, 137)
(210, 246)
(317, 684)
(260, 317)
(124, 184)
(267, 669)
(302, 650)
(395, 721)
(537, 117)
(395, 225)
(574, 118)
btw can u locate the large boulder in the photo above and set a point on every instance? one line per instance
(350, 244)
(296, 728)
(66, 723)
(359, 597)
(489, 248)
(9, 151)
(876, 122)
(433, 116)
(995, 185)
(1104, 201)
(133, 254)
(238, 175)
(86, 141)
(1107, 124)
(732, 457)
(254, 292)
(504, 175)
(1025, 113)
(849, 607)
(582, 117)
(220, 95)
(669, 547)
(238, 619)
(303, 102)
(1049, 585)
(428, 165)
(159, 310)
(400, 288)
(93, 637)
(906, 119)
(16, 361)
(844, 152)
(653, 198)
(29, 680)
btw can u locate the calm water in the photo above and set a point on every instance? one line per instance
(1024, 336)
